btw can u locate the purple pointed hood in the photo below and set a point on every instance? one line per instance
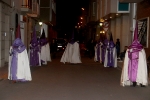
(72, 38)
(18, 45)
(43, 39)
(136, 44)
(34, 40)
(18, 33)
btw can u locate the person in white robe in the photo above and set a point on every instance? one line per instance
(18, 69)
(45, 49)
(71, 54)
(98, 52)
(111, 53)
(134, 71)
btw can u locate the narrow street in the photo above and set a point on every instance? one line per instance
(86, 81)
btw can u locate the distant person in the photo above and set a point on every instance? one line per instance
(34, 51)
(98, 51)
(53, 48)
(45, 49)
(90, 46)
(118, 47)
(111, 54)
(72, 51)
(122, 54)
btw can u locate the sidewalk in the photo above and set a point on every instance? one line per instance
(119, 65)
(3, 73)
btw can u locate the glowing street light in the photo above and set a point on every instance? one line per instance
(81, 17)
(40, 23)
(80, 22)
(101, 24)
(82, 8)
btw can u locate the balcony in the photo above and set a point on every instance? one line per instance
(30, 7)
(113, 9)
(130, 1)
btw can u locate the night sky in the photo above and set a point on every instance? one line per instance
(68, 13)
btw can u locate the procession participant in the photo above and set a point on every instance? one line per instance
(134, 70)
(34, 51)
(19, 69)
(45, 49)
(111, 53)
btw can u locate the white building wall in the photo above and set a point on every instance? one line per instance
(121, 27)
(125, 33)
(112, 29)
(5, 39)
(8, 28)
(118, 28)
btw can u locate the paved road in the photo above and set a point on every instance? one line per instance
(86, 81)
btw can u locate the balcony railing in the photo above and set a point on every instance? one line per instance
(30, 7)
(27, 4)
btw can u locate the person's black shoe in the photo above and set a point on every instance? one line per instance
(142, 85)
(134, 84)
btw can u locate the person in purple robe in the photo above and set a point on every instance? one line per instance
(18, 47)
(111, 54)
(34, 50)
(45, 49)
(72, 40)
(19, 69)
(104, 46)
(43, 40)
(134, 71)
(98, 50)
(133, 55)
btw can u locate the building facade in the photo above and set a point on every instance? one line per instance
(25, 13)
(117, 16)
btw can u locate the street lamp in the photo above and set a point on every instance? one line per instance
(101, 24)
(82, 8)
(40, 23)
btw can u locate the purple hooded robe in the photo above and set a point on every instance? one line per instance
(18, 47)
(104, 46)
(110, 57)
(133, 55)
(34, 49)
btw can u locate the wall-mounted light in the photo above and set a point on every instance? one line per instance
(102, 20)
(110, 17)
(81, 17)
(82, 8)
(40, 23)
(101, 24)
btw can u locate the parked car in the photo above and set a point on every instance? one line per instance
(61, 44)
